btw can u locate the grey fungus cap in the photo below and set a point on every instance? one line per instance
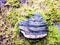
(34, 27)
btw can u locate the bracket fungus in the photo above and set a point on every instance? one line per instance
(33, 28)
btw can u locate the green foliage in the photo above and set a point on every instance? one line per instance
(14, 3)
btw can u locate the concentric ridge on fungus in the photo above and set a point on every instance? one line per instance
(34, 27)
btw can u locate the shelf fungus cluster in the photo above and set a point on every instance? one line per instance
(33, 28)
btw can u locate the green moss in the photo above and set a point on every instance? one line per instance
(13, 16)
(52, 35)
(14, 3)
(53, 13)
